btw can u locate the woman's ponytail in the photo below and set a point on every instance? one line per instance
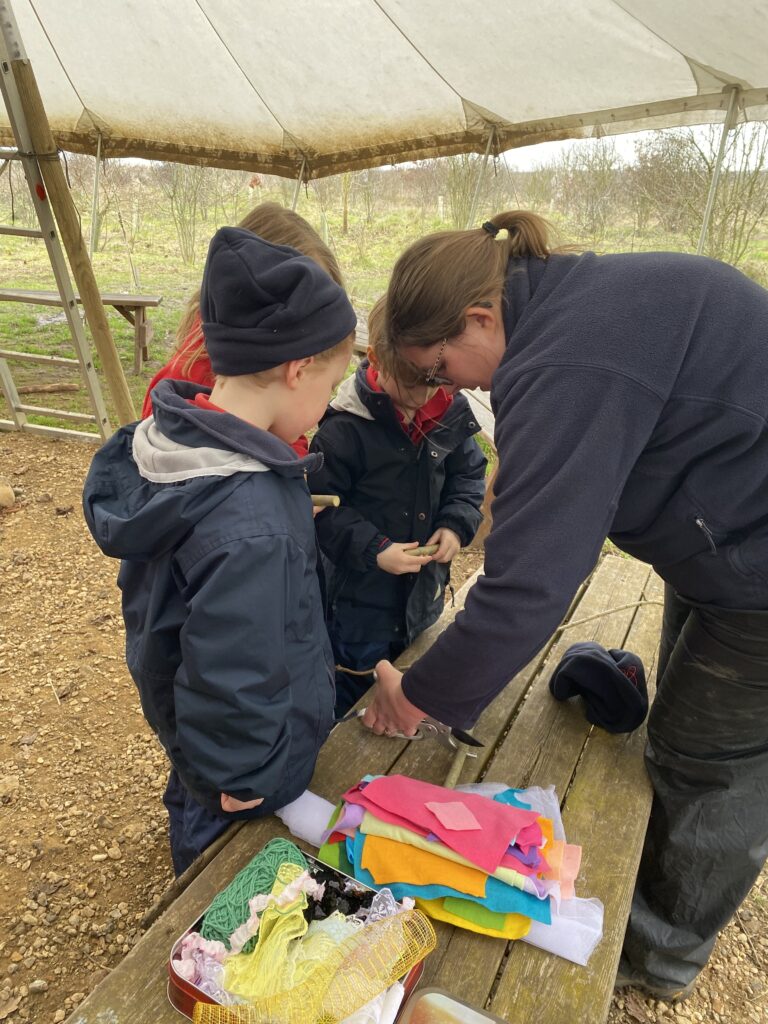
(527, 233)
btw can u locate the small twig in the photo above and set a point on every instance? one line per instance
(58, 699)
(354, 671)
(758, 962)
(104, 967)
(609, 611)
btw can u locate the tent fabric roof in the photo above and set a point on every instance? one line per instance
(335, 85)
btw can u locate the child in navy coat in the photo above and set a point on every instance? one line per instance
(409, 472)
(207, 505)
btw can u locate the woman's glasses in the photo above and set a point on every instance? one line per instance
(431, 380)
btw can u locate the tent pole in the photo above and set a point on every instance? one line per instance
(480, 178)
(95, 200)
(298, 183)
(728, 124)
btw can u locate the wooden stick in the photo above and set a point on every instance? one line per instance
(69, 228)
(608, 611)
(326, 500)
(39, 389)
(425, 549)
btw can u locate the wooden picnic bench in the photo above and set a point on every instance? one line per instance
(530, 739)
(132, 307)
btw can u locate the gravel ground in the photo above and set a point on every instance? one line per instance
(83, 848)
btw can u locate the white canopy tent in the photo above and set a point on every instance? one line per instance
(307, 88)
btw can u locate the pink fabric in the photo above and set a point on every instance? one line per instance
(454, 815)
(569, 870)
(529, 836)
(358, 797)
(402, 801)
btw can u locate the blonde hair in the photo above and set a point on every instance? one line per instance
(277, 224)
(439, 277)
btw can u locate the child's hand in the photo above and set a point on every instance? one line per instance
(395, 559)
(448, 544)
(230, 804)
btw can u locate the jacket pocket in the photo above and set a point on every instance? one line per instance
(701, 524)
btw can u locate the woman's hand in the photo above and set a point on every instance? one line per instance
(230, 804)
(390, 711)
(396, 560)
(448, 544)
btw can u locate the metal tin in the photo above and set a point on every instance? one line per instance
(183, 994)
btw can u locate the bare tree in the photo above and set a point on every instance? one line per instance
(346, 189)
(181, 185)
(586, 184)
(672, 176)
(368, 189)
(460, 182)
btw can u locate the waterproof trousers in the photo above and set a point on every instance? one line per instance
(191, 828)
(707, 757)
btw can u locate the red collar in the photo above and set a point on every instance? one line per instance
(425, 418)
(203, 401)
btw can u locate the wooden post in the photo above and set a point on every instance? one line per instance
(69, 229)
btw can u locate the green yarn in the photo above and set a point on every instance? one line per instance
(230, 907)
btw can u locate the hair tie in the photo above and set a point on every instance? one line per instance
(491, 228)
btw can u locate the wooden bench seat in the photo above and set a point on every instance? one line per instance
(132, 307)
(530, 739)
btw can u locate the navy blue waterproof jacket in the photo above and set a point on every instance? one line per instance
(631, 401)
(225, 631)
(391, 488)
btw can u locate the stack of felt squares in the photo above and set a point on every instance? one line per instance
(487, 858)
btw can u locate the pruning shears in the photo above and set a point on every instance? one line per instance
(428, 729)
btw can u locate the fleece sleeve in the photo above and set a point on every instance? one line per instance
(346, 537)
(463, 491)
(232, 692)
(567, 439)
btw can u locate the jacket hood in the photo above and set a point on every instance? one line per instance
(348, 400)
(154, 480)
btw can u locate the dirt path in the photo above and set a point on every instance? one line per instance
(83, 848)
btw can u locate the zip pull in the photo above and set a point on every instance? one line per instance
(707, 533)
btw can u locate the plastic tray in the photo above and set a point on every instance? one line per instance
(436, 1006)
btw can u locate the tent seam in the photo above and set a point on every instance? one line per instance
(242, 71)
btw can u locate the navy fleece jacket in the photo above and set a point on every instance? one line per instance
(631, 402)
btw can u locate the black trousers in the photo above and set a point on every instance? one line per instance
(707, 757)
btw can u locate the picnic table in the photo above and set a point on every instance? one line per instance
(132, 307)
(529, 739)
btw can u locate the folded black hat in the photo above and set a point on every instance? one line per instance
(612, 683)
(263, 304)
